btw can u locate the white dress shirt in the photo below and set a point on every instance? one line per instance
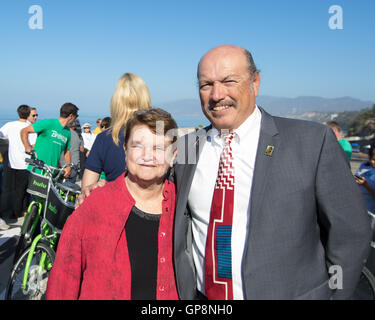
(244, 148)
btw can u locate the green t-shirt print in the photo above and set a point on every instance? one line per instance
(52, 139)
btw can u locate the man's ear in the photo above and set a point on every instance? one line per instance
(256, 83)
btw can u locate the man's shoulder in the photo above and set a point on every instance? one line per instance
(74, 135)
(7, 125)
(297, 127)
(345, 143)
(45, 123)
(290, 123)
(67, 131)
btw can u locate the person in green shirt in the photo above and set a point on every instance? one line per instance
(345, 144)
(53, 137)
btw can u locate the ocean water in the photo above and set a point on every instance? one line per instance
(182, 122)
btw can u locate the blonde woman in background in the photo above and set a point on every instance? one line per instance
(107, 154)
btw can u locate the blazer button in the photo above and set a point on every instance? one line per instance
(162, 235)
(161, 288)
(166, 209)
(162, 260)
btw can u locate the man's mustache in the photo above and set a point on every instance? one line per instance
(212, 104)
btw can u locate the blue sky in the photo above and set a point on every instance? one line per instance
(85, 47)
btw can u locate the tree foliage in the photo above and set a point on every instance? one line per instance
(363, 124)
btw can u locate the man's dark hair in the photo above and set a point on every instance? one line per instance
(67, 109)
(23, 111)
(106, 123)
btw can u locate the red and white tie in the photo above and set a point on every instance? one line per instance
(218, 255)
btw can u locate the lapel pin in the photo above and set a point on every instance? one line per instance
(269, 151)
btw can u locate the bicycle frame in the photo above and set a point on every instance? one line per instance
(40, 203)
(46, 234)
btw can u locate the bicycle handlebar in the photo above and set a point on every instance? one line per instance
(39, 164)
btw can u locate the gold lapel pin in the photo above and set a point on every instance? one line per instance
(269, 151)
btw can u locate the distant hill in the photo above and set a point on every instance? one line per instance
(277, 105)
(188, 113)
(303, 104)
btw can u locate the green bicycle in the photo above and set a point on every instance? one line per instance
(29, 275)
(38, 187)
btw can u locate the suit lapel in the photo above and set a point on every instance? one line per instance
(192, 153)
(266, 153)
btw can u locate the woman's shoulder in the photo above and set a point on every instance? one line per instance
(113, 191)
(96, 206)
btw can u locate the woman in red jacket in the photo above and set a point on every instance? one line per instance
(118, 243)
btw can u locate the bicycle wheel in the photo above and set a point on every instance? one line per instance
(25, 238)
(366, 286)
(37, 277)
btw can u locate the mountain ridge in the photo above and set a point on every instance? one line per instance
(280, 106)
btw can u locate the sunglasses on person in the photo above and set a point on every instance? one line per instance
(35, 115)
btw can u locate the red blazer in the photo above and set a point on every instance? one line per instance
(92, 260)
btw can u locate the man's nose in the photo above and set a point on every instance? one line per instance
(218, 92)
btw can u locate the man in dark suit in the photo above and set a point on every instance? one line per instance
(299, 227)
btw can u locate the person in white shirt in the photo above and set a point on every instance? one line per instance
(17, 173)
(32, 119)
(88, 138)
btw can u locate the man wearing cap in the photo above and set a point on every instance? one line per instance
(88, 138)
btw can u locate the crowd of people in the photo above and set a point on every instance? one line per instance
(55, 141)
(251, 207)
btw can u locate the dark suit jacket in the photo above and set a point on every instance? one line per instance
(306, 214)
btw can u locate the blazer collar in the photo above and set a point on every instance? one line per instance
(268, 149)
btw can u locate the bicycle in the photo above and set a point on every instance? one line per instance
(29, 275)
(38, 187)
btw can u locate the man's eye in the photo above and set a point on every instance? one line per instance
(204, 86)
